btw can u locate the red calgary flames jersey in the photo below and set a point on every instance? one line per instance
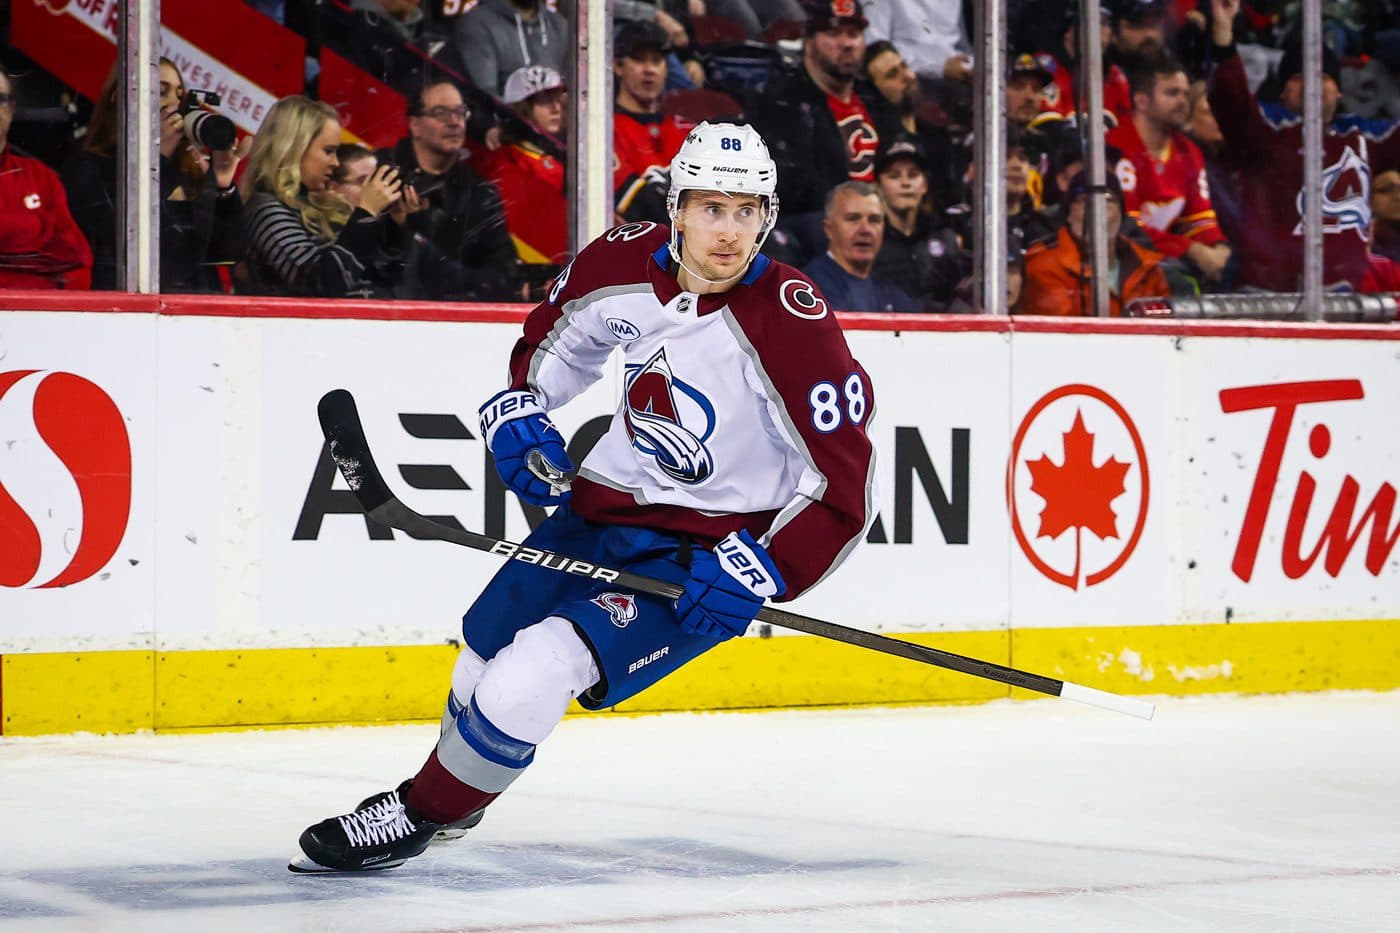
(858, 132)
(1168, 197)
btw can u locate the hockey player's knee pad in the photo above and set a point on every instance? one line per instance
(527, 686)
(466, 674)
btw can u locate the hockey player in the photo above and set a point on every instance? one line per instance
(737, 465)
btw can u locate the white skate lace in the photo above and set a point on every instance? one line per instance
(384, 822)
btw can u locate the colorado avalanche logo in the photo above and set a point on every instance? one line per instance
(655, 424)
(1346, 198)
(622, 607)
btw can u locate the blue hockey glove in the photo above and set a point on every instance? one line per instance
(727, 587)
(529, 451)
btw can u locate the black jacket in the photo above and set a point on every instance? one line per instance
(927, 264)
(802, 136)
(946, 163)
(195, 235)
(460, 246)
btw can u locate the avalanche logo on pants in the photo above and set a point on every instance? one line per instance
(621, 606)
(656, 423)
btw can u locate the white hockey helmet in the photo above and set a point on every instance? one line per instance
(723, 157)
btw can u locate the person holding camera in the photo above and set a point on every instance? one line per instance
(200, 208)
(300, 236)
(459, 247)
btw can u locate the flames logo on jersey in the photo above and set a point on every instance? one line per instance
(861, 144)
(657, 406)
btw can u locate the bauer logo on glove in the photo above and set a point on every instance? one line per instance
(528, 449)
(740, 562)
(727, 587)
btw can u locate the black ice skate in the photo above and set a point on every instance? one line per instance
(448, 832)
(383, 834)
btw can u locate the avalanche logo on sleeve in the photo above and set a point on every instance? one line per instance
(657, 424)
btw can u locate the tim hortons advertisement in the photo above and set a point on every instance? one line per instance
(1295, 472)
(77, 491)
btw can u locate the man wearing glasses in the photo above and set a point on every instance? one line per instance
(40, 245)
(460, 248)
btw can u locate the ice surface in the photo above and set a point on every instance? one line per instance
(1223, 814)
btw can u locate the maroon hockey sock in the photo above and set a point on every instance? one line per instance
(438, 796)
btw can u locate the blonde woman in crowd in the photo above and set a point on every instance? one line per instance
(302, 238)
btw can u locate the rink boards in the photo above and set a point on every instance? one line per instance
(1143, 507)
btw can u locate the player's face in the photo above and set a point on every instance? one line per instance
(1292, 96)
(1385, 196)
(903, 184)
(719, 232)
(7, 109)
(838, 51)
(855, 227)
(547, 110)
(357, 172)
(1022, 98)
(442, 125)
(642, 76)
(319, 160)
(1169, 104)
(892, 77)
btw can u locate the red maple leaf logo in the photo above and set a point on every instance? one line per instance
(1077, 494)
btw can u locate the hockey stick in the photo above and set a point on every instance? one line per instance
(340, 422)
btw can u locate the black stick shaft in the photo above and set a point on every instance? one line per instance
(340, 422)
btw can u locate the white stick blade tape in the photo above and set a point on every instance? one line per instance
(1105, 700)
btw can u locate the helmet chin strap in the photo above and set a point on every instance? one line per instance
(738, 275)
(674, 248)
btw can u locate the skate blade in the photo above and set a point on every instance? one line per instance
(302, 864)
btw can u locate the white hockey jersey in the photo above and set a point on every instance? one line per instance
(743, 409)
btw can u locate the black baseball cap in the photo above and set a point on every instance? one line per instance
(1292, 61)
(1079, 187)
(902, 146)
(1042, 65)
(1139, 12)
(640, 35)
(828, 14)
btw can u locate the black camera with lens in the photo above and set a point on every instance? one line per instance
(202, 128)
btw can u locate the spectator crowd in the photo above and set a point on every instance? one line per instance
(866, 107)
